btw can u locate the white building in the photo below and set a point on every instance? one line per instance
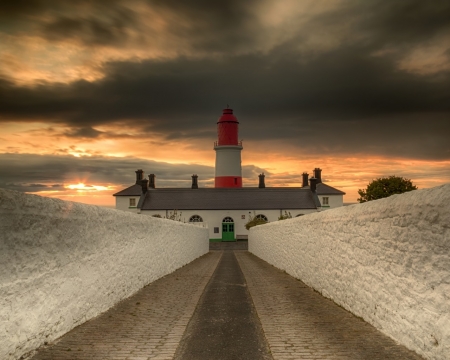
(226, 208)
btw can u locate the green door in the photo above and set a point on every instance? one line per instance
(227, 231)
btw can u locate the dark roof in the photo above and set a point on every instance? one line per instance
(227, 199)
(133, 190)
(324, 189)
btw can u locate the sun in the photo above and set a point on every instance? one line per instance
(83, 187)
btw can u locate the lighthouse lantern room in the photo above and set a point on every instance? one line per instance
(228, 152)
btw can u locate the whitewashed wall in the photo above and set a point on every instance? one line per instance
(387, 261)
(123, 203)
(334, 201)
(62, 263)
(213, 218)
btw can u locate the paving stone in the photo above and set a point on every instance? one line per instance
(224, 325)
(299, 323)
(149, 324)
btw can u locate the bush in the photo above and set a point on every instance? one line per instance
(287, 215)
(384, 187)
(174, 215)
(254, 222)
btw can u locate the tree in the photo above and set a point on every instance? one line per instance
(384, 187)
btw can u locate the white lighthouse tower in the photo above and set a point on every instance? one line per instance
(228, 152)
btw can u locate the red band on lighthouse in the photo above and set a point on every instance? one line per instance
(228, 182)
(228, 152)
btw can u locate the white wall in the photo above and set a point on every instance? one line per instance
(334, 201)
(213, 218)
(123, 203)
(62, 263)
(387, 261)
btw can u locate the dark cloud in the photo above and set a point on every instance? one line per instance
(403, 22)
(206, 25)
(252, 172)
(16, 9)
(215, 26)
(340, 103)
(340, 99)
(99, 22)
(84, 132)
(37, 173)
(33, 173)
(92, 31)
(31, 188)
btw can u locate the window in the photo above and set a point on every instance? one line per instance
(216, 230)
(261, 217)
(195, 218)
(228, 219)
(325, 201)
(132, 202)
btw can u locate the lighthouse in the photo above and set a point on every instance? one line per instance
(228, 152)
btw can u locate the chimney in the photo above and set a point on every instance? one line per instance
(144, 184)
(318, 175)
(305, 177)
(262, 185)
(139, 176)
(312, 184)
(194, 181)
(151, 179)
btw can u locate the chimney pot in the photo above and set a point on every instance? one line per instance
(318, 175)
(194, 181)
(305, 177)
(313, 184)
(262, 184)
(139, 176)
(144, 184)
(152, 182)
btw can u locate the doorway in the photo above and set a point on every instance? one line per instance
(228, 229)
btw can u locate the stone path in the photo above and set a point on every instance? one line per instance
(225, 325)
(148, 325)
(299, 323)
(210, 312)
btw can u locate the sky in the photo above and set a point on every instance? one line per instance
(91, 91)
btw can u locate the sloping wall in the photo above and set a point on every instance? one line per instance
(62, 263)
(387, 261)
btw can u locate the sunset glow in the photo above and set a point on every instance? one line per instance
(91, 91)
(82, 187)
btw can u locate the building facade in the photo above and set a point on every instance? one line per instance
(226, 208)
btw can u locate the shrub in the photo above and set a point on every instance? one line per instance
(254, 222)
(287, 215)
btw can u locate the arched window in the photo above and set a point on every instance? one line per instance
(195, 218)
(228, 220)
(261, 217)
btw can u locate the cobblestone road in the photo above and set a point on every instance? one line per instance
(298, 323)
(148, 325)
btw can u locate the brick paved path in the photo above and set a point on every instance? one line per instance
(148, 325)
(224, 325)
(298, 323)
